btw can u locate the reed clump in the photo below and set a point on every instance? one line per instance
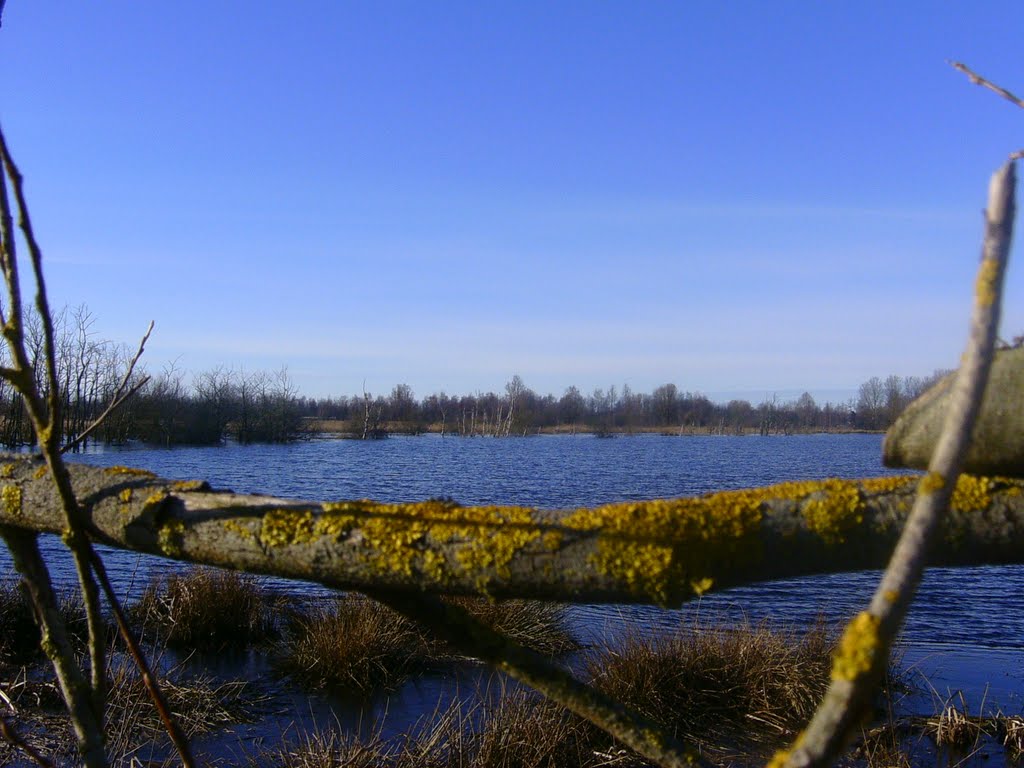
(542, 627)
(519, 730)
(352, 644)
(206, 609)
(19, 634)
(720, 687)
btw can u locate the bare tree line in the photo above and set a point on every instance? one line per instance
(175, 407)
(216, 405)
(519, 410)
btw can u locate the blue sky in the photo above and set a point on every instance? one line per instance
(740, 198)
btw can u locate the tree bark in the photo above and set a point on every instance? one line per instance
(661, 552)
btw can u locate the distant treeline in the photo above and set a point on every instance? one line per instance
(518, 410)
(211, 407)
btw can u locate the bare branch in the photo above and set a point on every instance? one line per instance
(14, 738)
(85, 719)
(178, 738)
(120, 395)
(979, 80)
(864, 649)
(46, 422)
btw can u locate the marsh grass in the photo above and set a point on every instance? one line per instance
(352, 644)
(742, 687)
(519, 730)
(201, 703)
(356, 644)
(542, 627)
(19, 635)
(206, 609)
(526, 730)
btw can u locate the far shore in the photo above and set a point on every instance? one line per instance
(342, 429)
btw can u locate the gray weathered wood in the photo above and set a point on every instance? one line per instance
(660, 552)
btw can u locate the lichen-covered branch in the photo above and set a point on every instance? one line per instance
(662, 552)
(863, 652)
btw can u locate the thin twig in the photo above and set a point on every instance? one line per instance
(14, 738)
(46, 420)
(977, 79)
(864, 649)
(178, 738)
(120, 395)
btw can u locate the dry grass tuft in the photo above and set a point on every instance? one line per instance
(1011, 734)
(206, 609)
(355, 644)
(953, 727)
(200, 704)
(716, 686)
(525, 730)
(521, 730)
(540, 626)
(19, 635)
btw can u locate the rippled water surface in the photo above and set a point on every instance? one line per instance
(965, 626)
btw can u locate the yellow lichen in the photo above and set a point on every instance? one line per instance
(10, 496)
(985, 285)
(119, 470)
(40, 472)
(189, 485)
(857, 648)
(651, 546)
(283, 527)
(931, 483)
(125, 495)
(552, 540)
(169, 537)
(972, 493)
(700, 586)
(891, 595)
(888, 484)
(834, 510)
(239, 528)
(155, 499)
(7, 469)
(404, 539)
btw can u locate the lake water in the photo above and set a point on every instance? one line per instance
(965, 631)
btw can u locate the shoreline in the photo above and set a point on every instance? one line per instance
(339, 429)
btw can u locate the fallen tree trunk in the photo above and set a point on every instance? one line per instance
(655, 551)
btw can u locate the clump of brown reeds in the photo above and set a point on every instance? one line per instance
(358, 644)
(954, 727)
(19, 635)
(524, 729)
(716, 686)
(352, 644)
(540, 626)
(200, 704)
(519, 730)
(206, 609)
(1011, 734)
